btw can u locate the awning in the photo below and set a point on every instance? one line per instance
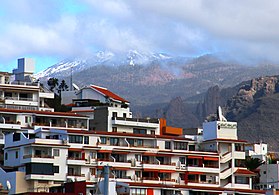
(104, 151)
(151, 170)
(195, 173)
(76, 149)
(211, 158)
(159, 154)
(120, 168)
(194, 157)
(167, 171)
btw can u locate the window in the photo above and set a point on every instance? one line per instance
(114, 129)
(152, 132)
(131, 141)
(139, 131)
(241, 180)
(182, 160)
(114, 141)
(124, 115)
(39, 168)
(16, 154)
(167, 145)
(75, 139)
(114, 114)
(120, 174)
(86, 140)
(140, 142)
(138, 191)
(203, 178)
(55, 152)
(138, 157)
(55, 169)
(192, 148)
(103, 140)
(16, 137)
(238, 147)
(6, 156)
(180, 145)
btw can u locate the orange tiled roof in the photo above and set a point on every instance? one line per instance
(244, 172)
(108, 93)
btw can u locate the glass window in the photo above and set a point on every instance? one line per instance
(75, 139)
(55, 169)
(182, 160)
(167, 145)
(55, 152)
(139, 131)
(180, 145)
(138, 191)
(103, 140)
(140, 142)
(16, 154)
(86, 140)
(114, 141)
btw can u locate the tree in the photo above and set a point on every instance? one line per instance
(52, 83)
(63, 86)
(253, 163)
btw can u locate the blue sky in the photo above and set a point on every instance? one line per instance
(51, 30)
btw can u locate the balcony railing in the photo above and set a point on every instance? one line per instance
(19, 98)
(76, 174)
(37, 156)
(153, 120)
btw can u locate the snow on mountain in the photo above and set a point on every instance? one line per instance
(132, 57)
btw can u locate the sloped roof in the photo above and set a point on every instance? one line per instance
(106, 92)
(244, 172)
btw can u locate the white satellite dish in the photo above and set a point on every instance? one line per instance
(9, 186)
(75, 86)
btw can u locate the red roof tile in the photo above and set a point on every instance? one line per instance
(244, 172)
(108, 93)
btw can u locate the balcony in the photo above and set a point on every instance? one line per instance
(148, 123)
(205, 169)
(239, 155)
(75, 161)
(21, 101)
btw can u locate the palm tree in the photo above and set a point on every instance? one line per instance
(253, 163)
(52, 83)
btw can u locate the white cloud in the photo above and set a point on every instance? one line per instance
(184, 27)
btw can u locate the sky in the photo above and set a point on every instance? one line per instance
(50, 30)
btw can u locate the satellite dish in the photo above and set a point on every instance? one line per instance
(9, 186)
(75, 86)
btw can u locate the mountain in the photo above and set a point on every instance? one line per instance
(77, 64)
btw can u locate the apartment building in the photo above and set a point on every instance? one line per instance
(146, 155)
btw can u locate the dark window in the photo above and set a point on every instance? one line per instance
(16, 154)
(140, 142)
(39, 168)
(114, 141)
(16, 137)
(6, 156)
(103, 140)
(114, 114)
(167, 145)
(131, 141)
(124, 115)
(75, 139)
(55, 169)
(180, 145)
(86, 140)
(203, 177)
(192, 148)
(139, 131)
(114, 129)
(152, 132)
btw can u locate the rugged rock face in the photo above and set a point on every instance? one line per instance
(211, 101)
(179, 112)
(256, 109)
(248, 93)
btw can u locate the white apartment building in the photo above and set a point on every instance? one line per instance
(145, 154)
